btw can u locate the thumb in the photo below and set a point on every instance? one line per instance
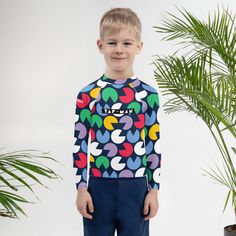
(90, 206)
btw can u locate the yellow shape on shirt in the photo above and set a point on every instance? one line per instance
(91, 158)
(108, 122)
(142, 134)
(153, 132)
(94, 92)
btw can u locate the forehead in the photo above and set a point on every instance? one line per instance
(122, 34)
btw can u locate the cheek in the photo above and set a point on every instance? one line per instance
(106, 57)
(131, 57)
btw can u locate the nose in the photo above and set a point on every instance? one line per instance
(118, 48)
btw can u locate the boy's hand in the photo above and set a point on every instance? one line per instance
(150, 204)
(83, 199)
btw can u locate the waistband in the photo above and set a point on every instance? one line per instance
(95, 178)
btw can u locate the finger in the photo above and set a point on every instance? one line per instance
(146, 208)
(90, 206)
(85, 213)
(151, 213)
(147, 217)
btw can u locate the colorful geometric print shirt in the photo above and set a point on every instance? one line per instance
(121, 119)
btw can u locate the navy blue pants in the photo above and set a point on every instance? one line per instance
(118, 205)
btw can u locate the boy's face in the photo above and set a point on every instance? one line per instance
(119, 51)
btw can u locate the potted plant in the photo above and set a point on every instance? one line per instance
(202, 80)
(14, 168)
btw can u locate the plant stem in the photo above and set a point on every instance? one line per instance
(233, 187)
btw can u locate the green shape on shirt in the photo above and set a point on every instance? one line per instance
(136, 106)
(102, 160)
(96, 119)
(144, 160)
(85, 114)
(109, 93)
(152, 99)
(149, 175)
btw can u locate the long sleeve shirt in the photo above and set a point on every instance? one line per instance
(120, 116)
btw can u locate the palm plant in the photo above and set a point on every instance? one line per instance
(15, 167)
(200, 77)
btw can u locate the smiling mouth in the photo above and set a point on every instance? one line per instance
(118, 58)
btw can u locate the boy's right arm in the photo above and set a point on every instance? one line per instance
(81, 135)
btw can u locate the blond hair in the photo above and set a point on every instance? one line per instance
(116, 19)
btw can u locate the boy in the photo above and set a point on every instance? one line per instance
(119, 111)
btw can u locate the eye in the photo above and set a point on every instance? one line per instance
(111, 43)
(127, 43)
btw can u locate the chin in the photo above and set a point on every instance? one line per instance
(118, 69)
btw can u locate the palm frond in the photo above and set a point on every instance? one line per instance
(195, 90)
(218, 34)
(203, 80)
(18, 165)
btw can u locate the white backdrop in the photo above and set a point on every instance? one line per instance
(47, 54)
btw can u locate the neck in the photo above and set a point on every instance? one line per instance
(119, 74)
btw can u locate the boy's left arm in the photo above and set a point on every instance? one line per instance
(152, 140)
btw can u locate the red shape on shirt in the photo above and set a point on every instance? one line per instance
(83, 160)
(127, 151)
(96, 172)
(128, 97)
(140, 123)
(84, 101)
(93, 135)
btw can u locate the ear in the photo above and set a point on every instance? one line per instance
(99, 45)
(139, 47)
